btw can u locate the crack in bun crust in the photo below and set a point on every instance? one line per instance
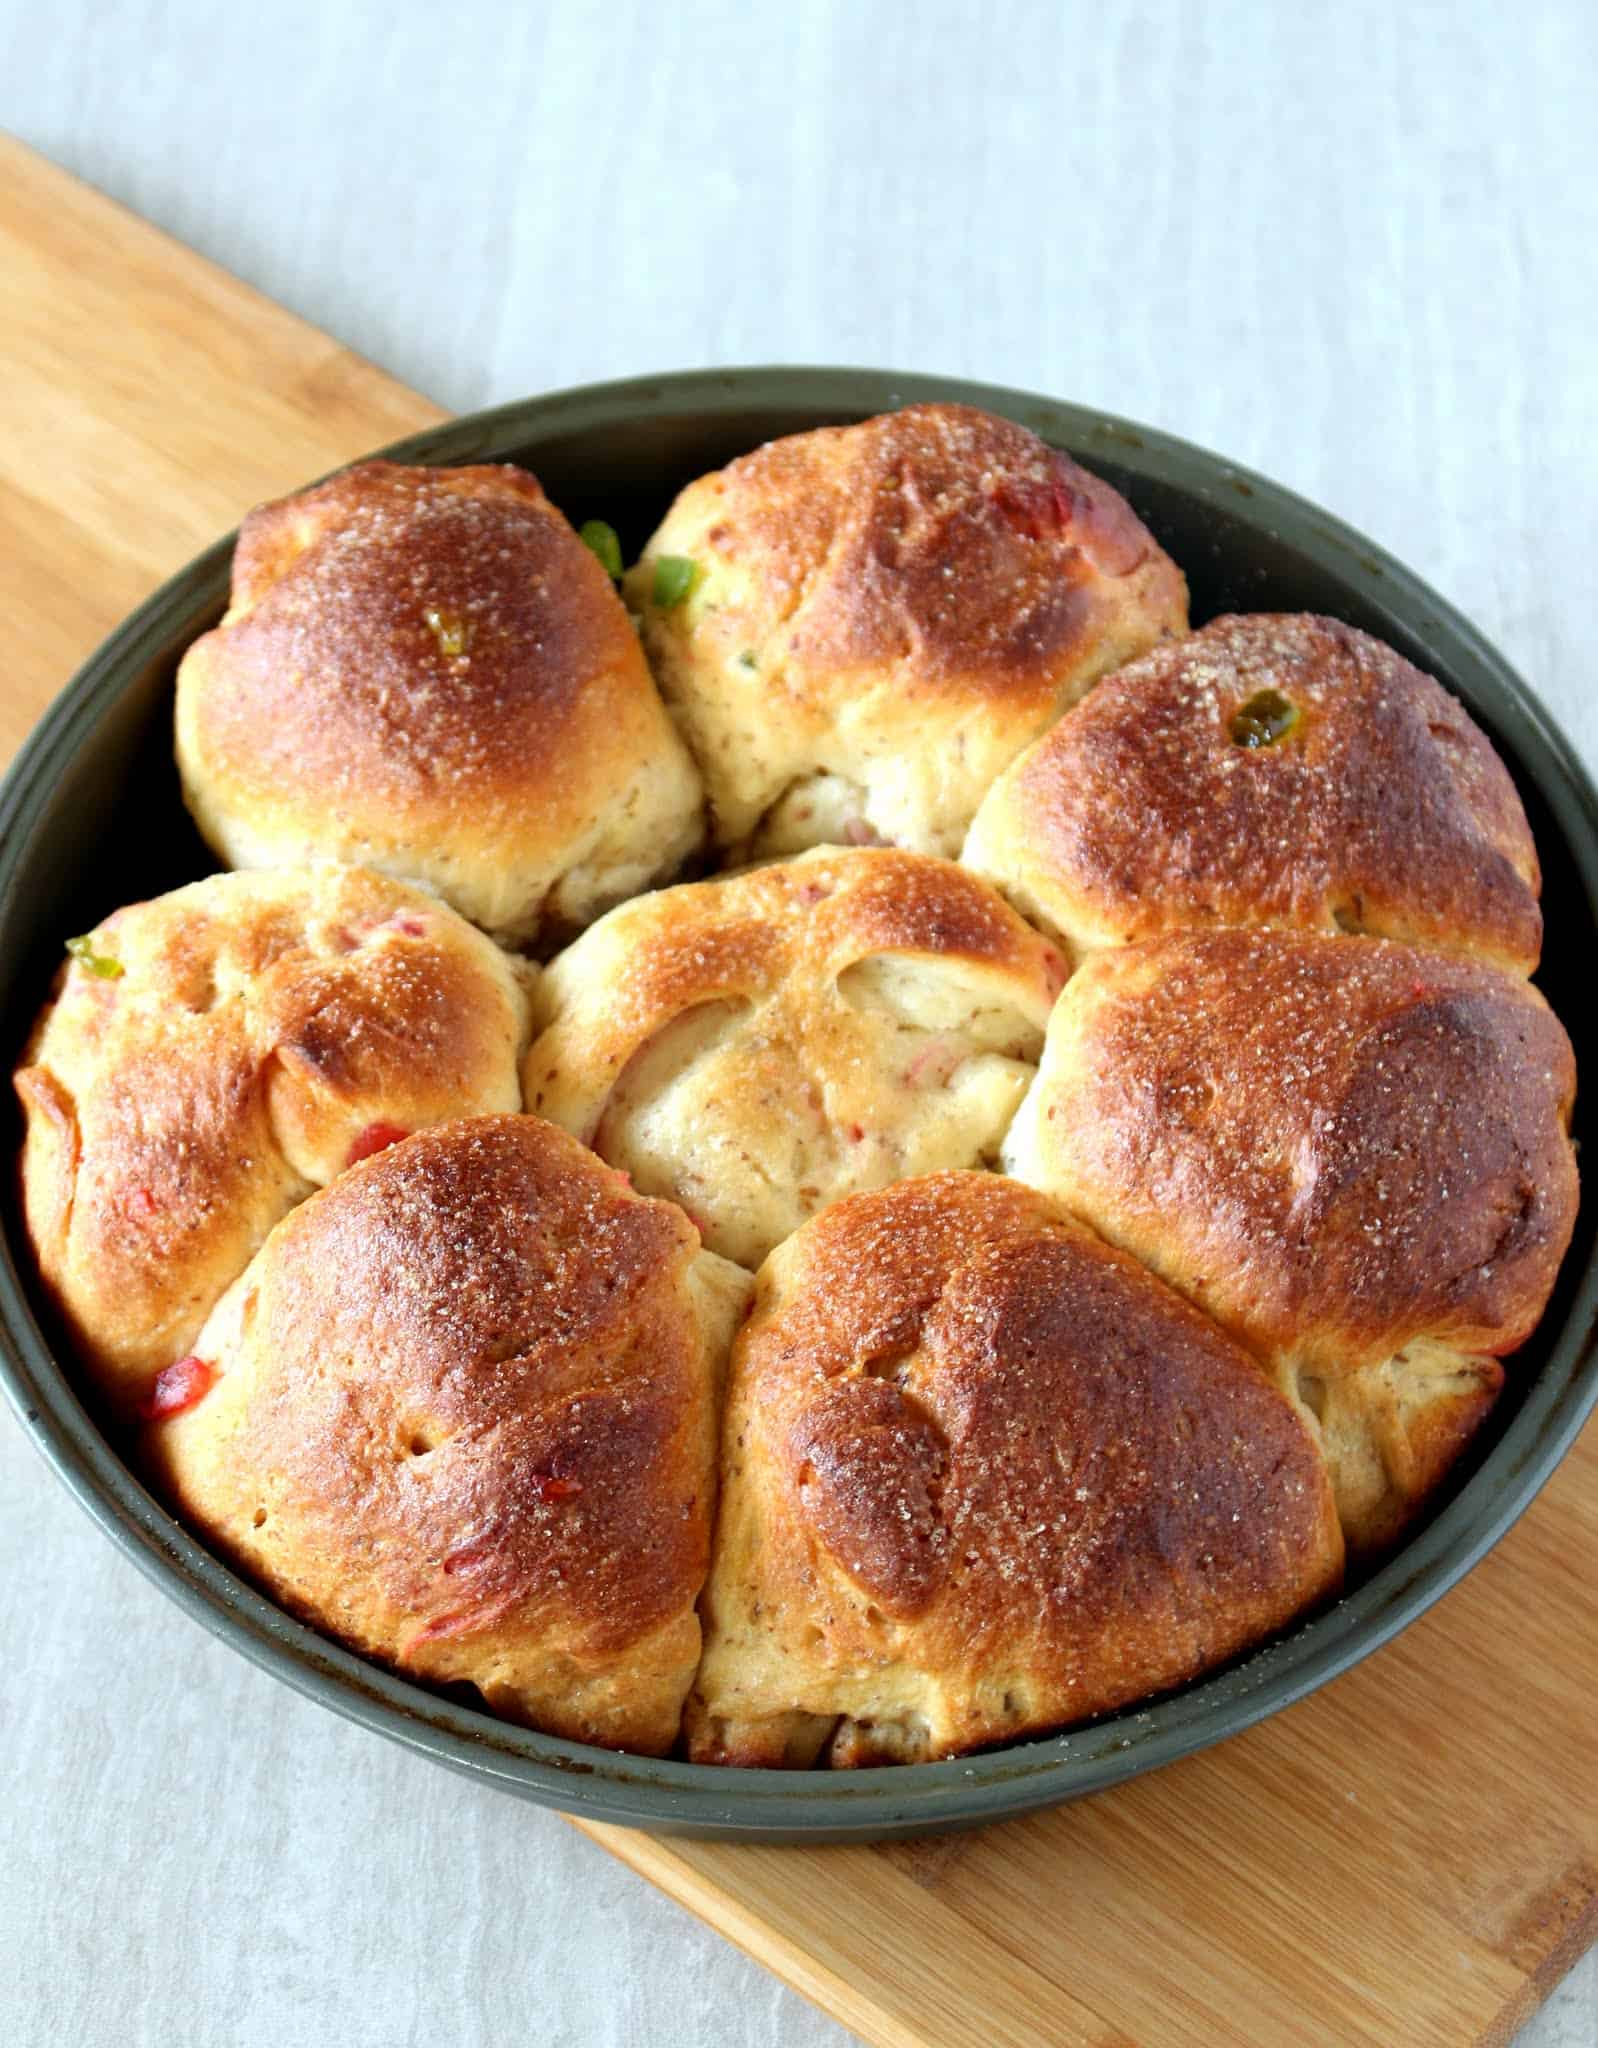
(756, 1046)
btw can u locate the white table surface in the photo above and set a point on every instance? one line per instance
(1354, 247)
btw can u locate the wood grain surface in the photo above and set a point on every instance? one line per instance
(1410, 1857)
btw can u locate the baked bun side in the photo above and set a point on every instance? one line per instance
(881, 616)
(983, 1476)
(1279, 770)
(425, 670)
(244, 1039)
(1355, 1155)
(463, 1418)
(756, 1046)
(1392, 1432)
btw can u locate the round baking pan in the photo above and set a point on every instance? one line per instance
(90, 817)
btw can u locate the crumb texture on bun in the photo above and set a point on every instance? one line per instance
(1267, 770)
(216, 1053)
(462, 1415)
(425, 670)
(861, 626)
(984, 1476)
(757, 1046)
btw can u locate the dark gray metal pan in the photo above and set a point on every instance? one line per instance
(90, 817)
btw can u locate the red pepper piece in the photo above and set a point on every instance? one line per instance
(548, 1486)
(177, 1387)
(1041, 507)
(1063, 503)
(375, 1138)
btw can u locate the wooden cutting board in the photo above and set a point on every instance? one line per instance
(1411, 1857)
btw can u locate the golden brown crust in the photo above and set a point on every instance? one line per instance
(338, 583)
(938, 532)
(983, 1476)
(1354, 1154)
(427, 670)
(1336, 1146)
(145, 1191)
(260, 1029)
(756, 1046)
(464, 1419)
(897, 608)
(1384, 811)
(986, 1473)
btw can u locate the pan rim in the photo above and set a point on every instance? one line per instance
(664, 1794)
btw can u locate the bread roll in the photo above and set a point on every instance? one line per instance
(755, 1047)
(1269, 770)
(242, 1039)
(982, 1476)
(882, 616)
(461, 1415)
(1353, 1154)
(426, 670)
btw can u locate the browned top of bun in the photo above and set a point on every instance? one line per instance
(255, 1029)
(468, 1391)
(490, 1286)
(938, 534)
(1336, 1145)
(971, 1441)
(958, 1337)
(1384, 810)
(427, 669)
(339, 581)
(935, 582)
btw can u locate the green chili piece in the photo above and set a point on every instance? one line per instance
(453, 633)
(103, 964)
(602, 542)
(675, 577)
(1263, 719)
